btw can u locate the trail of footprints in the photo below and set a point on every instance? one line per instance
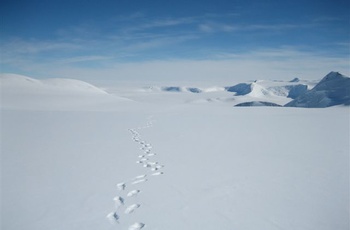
(145, 160)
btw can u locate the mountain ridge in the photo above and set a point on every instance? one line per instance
(333, 89)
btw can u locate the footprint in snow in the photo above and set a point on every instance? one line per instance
(139, 181)
(157, 167)
(136, 226)
(131, 208)
(113, 218)
(147, 165)
(121, 186)
(140, 176)
(157, 173)
(133, 193)
(118, 201)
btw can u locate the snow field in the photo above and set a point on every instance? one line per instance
(165, 161)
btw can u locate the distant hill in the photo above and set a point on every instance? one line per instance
(267, 88)
(257, 103)
(22, 84)
(24, 92)
(333, 89)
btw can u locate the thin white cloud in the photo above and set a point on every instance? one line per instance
(327, 19)
(157, 43)
(206, 28)
(346, 45)
(216, 27)
(275, 64)
(83, 59)
(167, 22)
(76, 44)
(273, 26)
(34, 46)
(213, 27)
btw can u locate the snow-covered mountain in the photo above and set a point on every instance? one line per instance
(333, 89)
(182, 89)
(269, 88)
(257, 103)
(76, 157)
(278, 92)
(17, 90)
(258, 88)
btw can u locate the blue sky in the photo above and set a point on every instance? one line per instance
(175, 40)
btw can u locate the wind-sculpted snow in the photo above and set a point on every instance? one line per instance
(333, 89)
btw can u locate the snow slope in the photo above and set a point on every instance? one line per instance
(219, 167)
(333, 89)
(261, 88)
(20, 84)
(22, 92)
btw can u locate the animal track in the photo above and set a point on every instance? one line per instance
(119, 201)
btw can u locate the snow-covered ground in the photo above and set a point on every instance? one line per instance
(76, 157)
